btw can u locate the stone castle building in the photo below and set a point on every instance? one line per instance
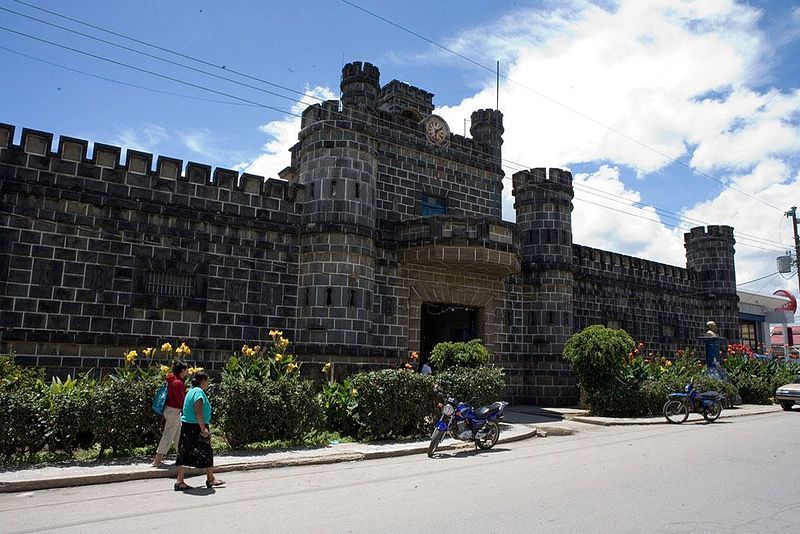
(383, 236)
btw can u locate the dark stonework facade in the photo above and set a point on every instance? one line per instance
(383, 236)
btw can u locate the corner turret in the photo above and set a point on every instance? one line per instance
(709, 252)
(486, 128)
(360, 85)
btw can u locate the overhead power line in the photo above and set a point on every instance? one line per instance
(120, 82)
(624, 201)
(557, 102)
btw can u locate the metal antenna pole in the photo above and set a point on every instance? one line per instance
(497, 87)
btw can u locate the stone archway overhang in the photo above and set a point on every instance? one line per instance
(460, 244)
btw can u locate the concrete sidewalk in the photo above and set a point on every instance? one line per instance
(58, 476)
(738, 411)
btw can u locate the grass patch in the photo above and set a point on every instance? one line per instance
(146, 453)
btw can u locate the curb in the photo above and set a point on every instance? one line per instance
(108, 478)
(607, 421)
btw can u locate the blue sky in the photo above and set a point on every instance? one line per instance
(687, 106)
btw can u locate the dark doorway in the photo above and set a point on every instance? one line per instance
(446, 322)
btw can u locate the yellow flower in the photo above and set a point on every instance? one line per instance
(283, 342)
(148, 352)
(245, 349)
(326, 367)
(165, 370)
(129, 357)
(166, 347)
(291, 367)
(669, 363)
(278, 358)
(257, 348)
(194, 370)
(354, 393)
(275, 333)
(250, 352)
(183, 350)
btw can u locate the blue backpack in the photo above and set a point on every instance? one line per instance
(160, 399)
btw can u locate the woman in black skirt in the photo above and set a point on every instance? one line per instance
(194, 447)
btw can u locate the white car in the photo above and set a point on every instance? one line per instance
(788, 395)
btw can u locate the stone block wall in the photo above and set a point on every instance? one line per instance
(97, 256)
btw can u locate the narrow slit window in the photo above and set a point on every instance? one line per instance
(333, 188)
(328, 295)
(358, 190)
(308, 297)
(352, 302)
(311, 190)
(550, 319)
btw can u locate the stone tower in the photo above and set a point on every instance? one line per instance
(709, 252)
(543, 203)
(486, 128)
(336, 161)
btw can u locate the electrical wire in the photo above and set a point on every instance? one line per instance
(120, 82)
(557, 102)
(224, 68)
(120, 63)
(771, 275)
(506, 161)
(256, 104)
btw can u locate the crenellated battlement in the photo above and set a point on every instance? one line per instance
(197, 186)
(534, 182)
(717, 232)
(399, 97)
(358, 71)
(487, 117)
(592, 259)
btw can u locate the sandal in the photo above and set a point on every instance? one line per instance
(215, 483)
(182, 486)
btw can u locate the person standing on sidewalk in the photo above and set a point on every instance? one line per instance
(176, 393)
(194, 447)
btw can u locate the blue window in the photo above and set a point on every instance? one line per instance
(432, 205)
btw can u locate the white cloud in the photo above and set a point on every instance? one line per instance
(282, 135)
(678, 80)
(144, 139)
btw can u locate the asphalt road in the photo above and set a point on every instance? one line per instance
(736, 475)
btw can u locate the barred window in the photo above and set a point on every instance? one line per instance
(169, 284)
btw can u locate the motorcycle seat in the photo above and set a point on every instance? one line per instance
(486, 411)
(710, 395)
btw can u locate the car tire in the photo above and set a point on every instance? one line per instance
(787, 405)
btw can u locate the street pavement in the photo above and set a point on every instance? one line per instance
(736, 475)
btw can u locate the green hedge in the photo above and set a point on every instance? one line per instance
(484, 384)
(458, 354)
(250, 411)
(393, 404)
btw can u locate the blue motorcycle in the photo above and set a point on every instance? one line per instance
(680, 405)
(462, 422)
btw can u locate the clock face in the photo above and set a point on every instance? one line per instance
(437, 130)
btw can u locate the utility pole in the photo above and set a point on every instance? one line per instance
(793, 214)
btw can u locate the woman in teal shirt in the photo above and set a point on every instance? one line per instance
(194, 447)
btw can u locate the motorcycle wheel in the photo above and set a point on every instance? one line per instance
(491, 436)
(436, 438)
(676, 412)
(712, 414)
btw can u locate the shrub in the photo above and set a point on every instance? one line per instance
(484, 384)
(338, 400)
(599, 356)
(393, 404)
(23, 420)
(250, 410)
(124, 418)
(72, 413)
(458, 354)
